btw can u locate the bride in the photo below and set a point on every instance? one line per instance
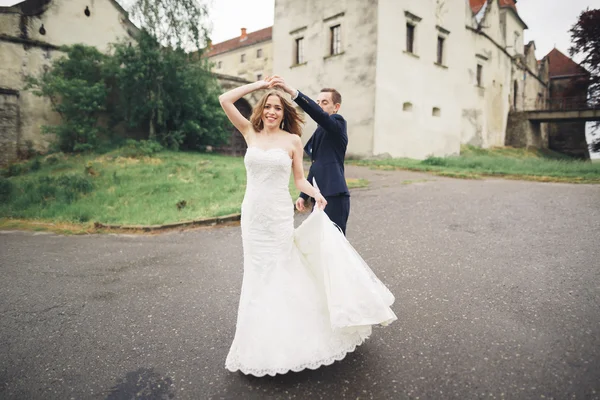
(307, 297)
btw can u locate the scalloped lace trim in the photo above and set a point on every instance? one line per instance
(235, 366)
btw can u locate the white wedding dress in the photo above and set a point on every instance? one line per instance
(307, 297)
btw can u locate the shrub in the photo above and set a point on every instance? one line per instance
(141, 148)
(6, 189)
(435, 161)
(76, 85)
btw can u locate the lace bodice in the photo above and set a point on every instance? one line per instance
(268, 171)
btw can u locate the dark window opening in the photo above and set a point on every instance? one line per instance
(336, 40)
(440, 50)
(410, 38)
(299, 57)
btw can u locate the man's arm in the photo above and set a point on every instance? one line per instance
(328, 122)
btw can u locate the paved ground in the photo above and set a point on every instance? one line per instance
(497, 288)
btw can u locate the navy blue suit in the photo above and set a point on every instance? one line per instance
(327, 150)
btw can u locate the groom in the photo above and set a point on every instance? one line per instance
(326, 149)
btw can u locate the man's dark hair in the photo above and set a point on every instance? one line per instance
(335, 95)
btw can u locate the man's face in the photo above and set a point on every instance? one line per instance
(325, 102)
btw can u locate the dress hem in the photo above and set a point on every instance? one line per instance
(234, 367)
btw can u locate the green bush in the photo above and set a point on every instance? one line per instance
(435, 161)
(53, 159)
(47, 189)
(77, 86)
(35, 165)
(170, 94)
(14, 170)
(6, 189)
(141, 148)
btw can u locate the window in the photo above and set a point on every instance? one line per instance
(407, 106)
(259, 53)
(259, 77)
(440, 50)
(436, 112)
(479, 75)
(220, 65)
(336, 40)
(243, 58)
(299, 57)
(410, 38)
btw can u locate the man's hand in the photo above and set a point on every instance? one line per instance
(300, 204)
(277, 81)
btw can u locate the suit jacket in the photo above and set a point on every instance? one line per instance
(326, 149)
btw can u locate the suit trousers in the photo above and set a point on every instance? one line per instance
(338, 210)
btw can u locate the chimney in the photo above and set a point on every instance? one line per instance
(243, 36)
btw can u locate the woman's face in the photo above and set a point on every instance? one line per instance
(273, 112)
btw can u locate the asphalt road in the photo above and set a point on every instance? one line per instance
(497, 287)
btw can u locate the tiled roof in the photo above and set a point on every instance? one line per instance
(261, 35)
(561, 65)
(476, 5)
(508, 3)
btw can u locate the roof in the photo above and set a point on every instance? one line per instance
(255, 37)
(508, 3)
(26, 7)
(33, 8)
(512, 6)
(561, 65)
(476, 5)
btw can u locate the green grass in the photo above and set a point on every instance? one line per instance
(475, 163)
(134, 191)
(112, 189)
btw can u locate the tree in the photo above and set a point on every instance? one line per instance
(168, 93)
(174, 23)
(77, 88)
(585, 37)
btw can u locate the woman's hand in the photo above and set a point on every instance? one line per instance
(320, 201)
(277, 81)
(228, 99)
(265, 83)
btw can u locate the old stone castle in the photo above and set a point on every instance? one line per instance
(418, 77)
(31, 33)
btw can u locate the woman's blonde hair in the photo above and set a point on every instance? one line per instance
(292, 120)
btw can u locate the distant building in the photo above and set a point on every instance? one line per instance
(569, 84)
(31, 33)
(417, 78)
(249, 56)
